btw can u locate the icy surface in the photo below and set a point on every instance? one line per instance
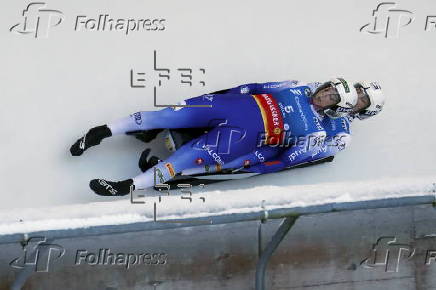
(54, 89)
(216, 202)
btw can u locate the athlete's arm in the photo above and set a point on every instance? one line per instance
(259, 155)
(335, 144)
(332, 146)
(338, 137)
(260, 88)
(299, 153)
(242, 89)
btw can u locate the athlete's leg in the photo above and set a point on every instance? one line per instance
(188, 117)
(215, 108)
(181, 159)
(237, 136)
(219, 146)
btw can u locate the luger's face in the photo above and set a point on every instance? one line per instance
(362, 101)
(326, 97)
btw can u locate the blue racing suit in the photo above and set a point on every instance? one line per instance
(338, 138)
(264, 159)
(252, 118)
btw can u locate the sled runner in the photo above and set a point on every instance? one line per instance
(210, 178)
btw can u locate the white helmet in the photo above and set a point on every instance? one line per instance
(376, 99)
(348, 98)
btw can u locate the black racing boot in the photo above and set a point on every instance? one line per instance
(92, 138)
(112, 188)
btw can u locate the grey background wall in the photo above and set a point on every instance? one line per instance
(320, 252)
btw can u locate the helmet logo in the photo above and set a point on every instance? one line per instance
(375, 86)
(345, 84)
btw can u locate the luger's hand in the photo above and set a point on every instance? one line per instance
(92, 138)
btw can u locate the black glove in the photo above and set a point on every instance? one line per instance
(92, 138)
(112, 188)
(146, 162)
(145, 135)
